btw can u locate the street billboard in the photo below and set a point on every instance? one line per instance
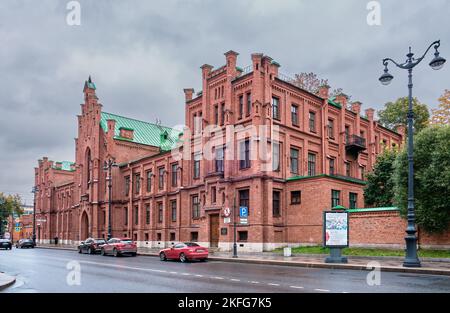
(335, 229)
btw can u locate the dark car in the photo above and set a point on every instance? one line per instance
(91, 245)
(5, 244)
(25, 243)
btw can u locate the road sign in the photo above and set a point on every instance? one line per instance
(227, 220)
(227, 212)
(17, 229)
(243, 212)
(17, 224)
(243, 220)
(7, 235)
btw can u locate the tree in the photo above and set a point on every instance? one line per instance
(441, 116)
(379, 191)
(431, 179)
(9, 205)
(309, 82)
(395, 113)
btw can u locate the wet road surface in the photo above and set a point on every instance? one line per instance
(45, 270)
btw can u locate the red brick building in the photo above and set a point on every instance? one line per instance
(165, 190)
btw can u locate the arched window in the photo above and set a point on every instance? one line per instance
(88, 166)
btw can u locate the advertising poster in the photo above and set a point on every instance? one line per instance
(336, 229)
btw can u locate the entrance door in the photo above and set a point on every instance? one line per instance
(214, 230)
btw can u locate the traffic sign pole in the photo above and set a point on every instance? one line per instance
(234, 235)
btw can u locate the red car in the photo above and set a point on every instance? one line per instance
(184, 251)
(119, 246)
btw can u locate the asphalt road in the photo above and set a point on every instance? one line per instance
(44, 270)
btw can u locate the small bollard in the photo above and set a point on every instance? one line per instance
(287, 251)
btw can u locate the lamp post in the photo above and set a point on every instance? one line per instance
(108, 165)
(34, 190)
(411, 259)
(234, 229)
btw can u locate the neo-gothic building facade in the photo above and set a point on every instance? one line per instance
(322, 149)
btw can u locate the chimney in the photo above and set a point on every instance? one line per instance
(111, 127)
(324, 91)
(342, 99)
(370, 113)
(257, 61)
(188, 93)
(231, 58)
(274, 66)
(356, 107)
(206, 70)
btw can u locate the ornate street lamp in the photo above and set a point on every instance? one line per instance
(411, 259)
(107, 166)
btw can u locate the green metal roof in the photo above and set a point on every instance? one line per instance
(373, 209)
(65, 166)
(143, 132)
(333, 103)
(338, 177)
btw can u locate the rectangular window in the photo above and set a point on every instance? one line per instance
(216, 115)
(332, 167)
(294, 114)
(174, 175)
(219, 164)
(173, 206)
(249, 103)
(213, 194)
(195, 207)
(146, 236)
(311, 164)
(172, 236)
(244, 199)
(363, 172)
(137, 184)
(125, 211)
(158, 236)
(296, 197)
(335, 198)
(147, 214)
(312, 122)
(197, 165)
(276, 198)
(276, 156)
(242, 235)
(348, 171)
(222, 115)
(161, 178)
(353, 197)
(160, 212)
(127, 185)
(331, 129)
(294, 160)
(136, 215)
(347, 134)
(275, 108)
(194, 236)
(241, 106)
(149, 181)
(244, 154)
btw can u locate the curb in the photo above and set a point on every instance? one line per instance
(6, 281)
(429, 271)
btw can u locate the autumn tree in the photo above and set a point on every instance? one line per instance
(395, 113)
(9, 205)
(441, 115)
(309, 81)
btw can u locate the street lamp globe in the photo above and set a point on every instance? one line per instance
(386, 78)
(438, 62)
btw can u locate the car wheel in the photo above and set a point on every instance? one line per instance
(115, 252)
(134, 254)
(79, 250)
(162, 256)
(202, 260)
(183, 258)
(90, 251)
(102, 252)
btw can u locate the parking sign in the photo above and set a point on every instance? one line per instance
(243, 211)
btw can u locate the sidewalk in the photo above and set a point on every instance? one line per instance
(430, 266)
(6, 281)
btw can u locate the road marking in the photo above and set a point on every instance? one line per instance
(185, 274)
(323, 290)
(234, 279)
(254, 282)
(272, 284)
(198, 275)
(173, 272)
(217, 277)
(297, 287)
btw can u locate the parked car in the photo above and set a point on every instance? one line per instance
(25, 243)
(184, 251)
(91, 245)
(119, 246)
(5, 244)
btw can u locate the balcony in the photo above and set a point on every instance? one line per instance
(355, 144)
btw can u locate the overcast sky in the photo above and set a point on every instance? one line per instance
(141, 54)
